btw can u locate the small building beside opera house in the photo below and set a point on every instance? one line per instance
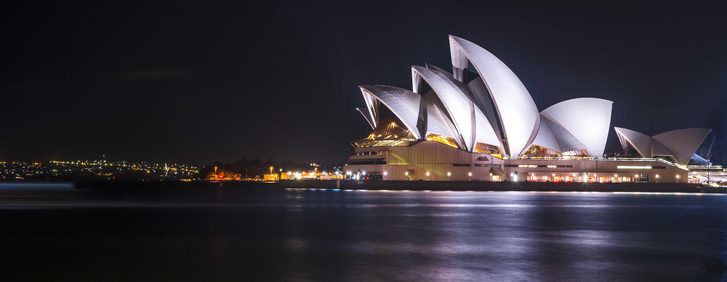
(480, 123)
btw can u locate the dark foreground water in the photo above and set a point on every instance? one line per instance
(255, 234)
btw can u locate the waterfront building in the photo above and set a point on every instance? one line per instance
(479, 122)
(713, 175)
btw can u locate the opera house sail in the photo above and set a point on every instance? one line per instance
(479, 122)
(676, 145)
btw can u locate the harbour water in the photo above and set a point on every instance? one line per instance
(336, 235)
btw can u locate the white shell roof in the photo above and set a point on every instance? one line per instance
(659, 150)
(639, 141)
(517, 111)
(496, 106)
(483, 101)
(459, 106)
(437, 121)
(371, 107)
(682, 142)
(368, 120)
(587, 119)
(545, 137)
(566, 140)
(455, 102)
(403, 103)
(484, 132)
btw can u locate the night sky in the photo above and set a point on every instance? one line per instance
(198, 82)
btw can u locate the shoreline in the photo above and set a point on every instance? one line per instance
(504, 186)
(139, 186)
(155, 187)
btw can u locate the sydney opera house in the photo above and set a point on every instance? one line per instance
(479, 122)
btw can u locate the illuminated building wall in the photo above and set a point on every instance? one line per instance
(430, 160)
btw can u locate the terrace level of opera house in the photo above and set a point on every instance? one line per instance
(479, 122)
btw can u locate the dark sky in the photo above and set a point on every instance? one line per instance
(197, 82)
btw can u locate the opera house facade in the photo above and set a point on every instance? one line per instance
(479, 122)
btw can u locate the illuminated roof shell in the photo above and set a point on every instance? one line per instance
(517, 111)
(637, 140)
(545, 137)
(458, 107)
(470, 122)
(437, 121)
(495, 108)
(587, 119)
(403, 103)
(681, 144)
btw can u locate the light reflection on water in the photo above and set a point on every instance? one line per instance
(304, 234)
(532, 236)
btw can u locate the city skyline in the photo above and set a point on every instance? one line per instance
(177, 83)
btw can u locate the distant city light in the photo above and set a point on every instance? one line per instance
(102, 169)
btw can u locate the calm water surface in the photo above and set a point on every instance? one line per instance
(256, 234)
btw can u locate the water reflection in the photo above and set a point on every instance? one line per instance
(531, 236)
(303, 234)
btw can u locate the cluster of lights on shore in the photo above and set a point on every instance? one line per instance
(513, 176)
(311, 174)
(98, 168)
(585, 176)
(358, 175)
